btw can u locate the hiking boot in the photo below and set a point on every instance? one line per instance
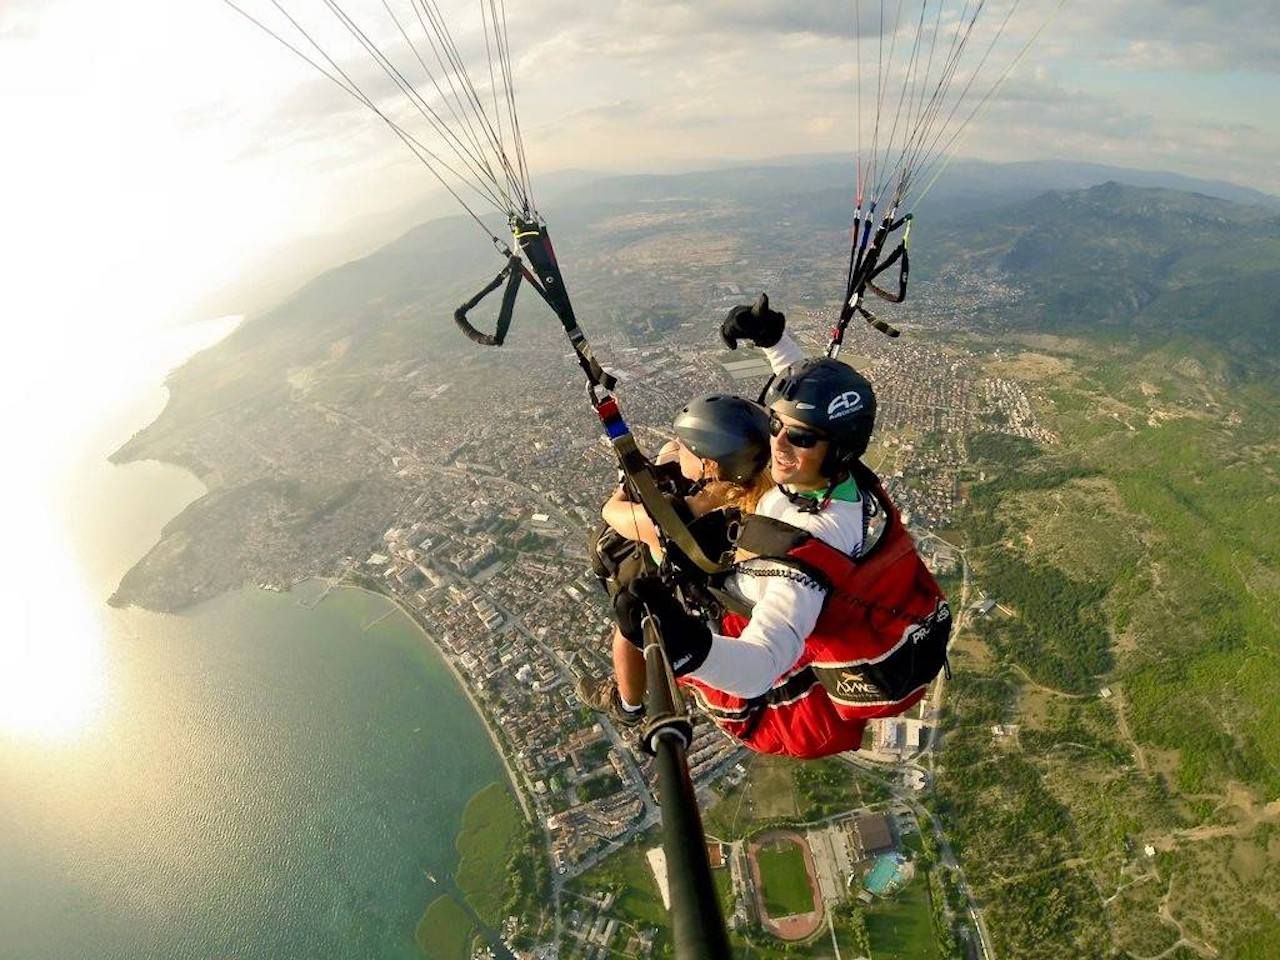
(601, 695)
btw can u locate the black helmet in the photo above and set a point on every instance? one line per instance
(833, 398)
(729, 430)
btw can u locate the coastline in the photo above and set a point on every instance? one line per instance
(512, 775)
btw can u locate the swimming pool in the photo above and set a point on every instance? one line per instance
(885, 876)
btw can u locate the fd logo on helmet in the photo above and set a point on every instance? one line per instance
(848, 402)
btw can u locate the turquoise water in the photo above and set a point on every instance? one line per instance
(255, 780)
(884, 874)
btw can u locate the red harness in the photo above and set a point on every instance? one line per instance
(880, 640)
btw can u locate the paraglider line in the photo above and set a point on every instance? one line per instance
(354, 91)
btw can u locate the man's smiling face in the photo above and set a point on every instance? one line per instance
(796, 464)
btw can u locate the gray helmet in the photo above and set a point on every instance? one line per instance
(830, 397)
(729, 430)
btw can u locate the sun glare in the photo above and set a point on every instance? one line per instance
(52, 658)
(54, 675)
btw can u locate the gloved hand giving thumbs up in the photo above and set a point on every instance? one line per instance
(757, 323)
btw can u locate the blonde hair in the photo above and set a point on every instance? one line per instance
(746, 497)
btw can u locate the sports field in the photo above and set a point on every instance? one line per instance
(903, 926)
(785, 880)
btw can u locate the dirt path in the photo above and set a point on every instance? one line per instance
(1068, 864)
(1199, 948)
(1057, 693)
(1132, 882)
(1203, 949)
(1250, 813)
(1123, 722)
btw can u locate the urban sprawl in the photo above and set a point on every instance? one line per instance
(491, 560)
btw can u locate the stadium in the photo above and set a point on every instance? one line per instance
(787, 897)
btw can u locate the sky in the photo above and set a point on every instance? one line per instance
(159, 152)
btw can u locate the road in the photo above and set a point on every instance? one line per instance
(928, 755)
(948, 859)
(960, 612)
(637, 783)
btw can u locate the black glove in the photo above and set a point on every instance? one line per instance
(756, 323)
(686, 637)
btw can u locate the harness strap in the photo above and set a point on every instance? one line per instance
(872, 320)
(794, 687)
(536, 245)
(513, 273)
(868, 481)
(728, 602)
(640, 476)
(752, 711)
(899, 253)
(767, 537)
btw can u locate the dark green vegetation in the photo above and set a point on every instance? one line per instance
(1160, 263)
(852, 921)
(1058, 635)
(501, 873)
(445, 931)
(1137, 555)
(786, 885)
(827, 787)
(490, 830)
(653, 323)
(780, 792)
(599, 786)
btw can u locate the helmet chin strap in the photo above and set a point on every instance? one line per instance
(809, 504)
(700, 484)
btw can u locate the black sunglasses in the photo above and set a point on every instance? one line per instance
(801, 437)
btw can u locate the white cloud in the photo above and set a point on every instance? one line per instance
(20, 19)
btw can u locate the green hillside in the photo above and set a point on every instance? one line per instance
(1127, 261)
(1133, 655)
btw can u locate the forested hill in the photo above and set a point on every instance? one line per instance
(1131, 260)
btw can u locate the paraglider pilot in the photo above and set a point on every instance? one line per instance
(829, 642)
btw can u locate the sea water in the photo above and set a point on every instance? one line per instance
(262, 776)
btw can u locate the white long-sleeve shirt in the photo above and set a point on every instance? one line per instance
(783, 353)
(786, 605)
